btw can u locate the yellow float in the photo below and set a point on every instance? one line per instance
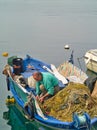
(10, 100)
(5, 54)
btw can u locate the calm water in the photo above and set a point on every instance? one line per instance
(41, 28)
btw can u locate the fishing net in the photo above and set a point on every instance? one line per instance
(67, 69)
(73, 98)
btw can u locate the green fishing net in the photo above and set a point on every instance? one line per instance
(73, 98)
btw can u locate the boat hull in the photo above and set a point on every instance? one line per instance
(91, 60)
(21, 95)
(51, 123)
(21, 99)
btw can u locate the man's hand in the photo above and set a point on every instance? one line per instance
(37, 97)
(41, 99)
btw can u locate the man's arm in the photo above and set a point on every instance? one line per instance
(41, 99)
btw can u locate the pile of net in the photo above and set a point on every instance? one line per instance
(67, 69)
(73, 98)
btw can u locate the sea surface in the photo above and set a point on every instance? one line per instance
(41, 28)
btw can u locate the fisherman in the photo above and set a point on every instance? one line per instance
(46, 85)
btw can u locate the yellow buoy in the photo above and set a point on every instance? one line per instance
(10, 100)
(5, 54)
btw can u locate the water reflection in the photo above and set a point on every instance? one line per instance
(16, 119)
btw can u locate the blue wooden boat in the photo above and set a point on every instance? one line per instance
(25, 96)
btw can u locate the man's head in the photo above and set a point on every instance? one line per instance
(37, 76)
